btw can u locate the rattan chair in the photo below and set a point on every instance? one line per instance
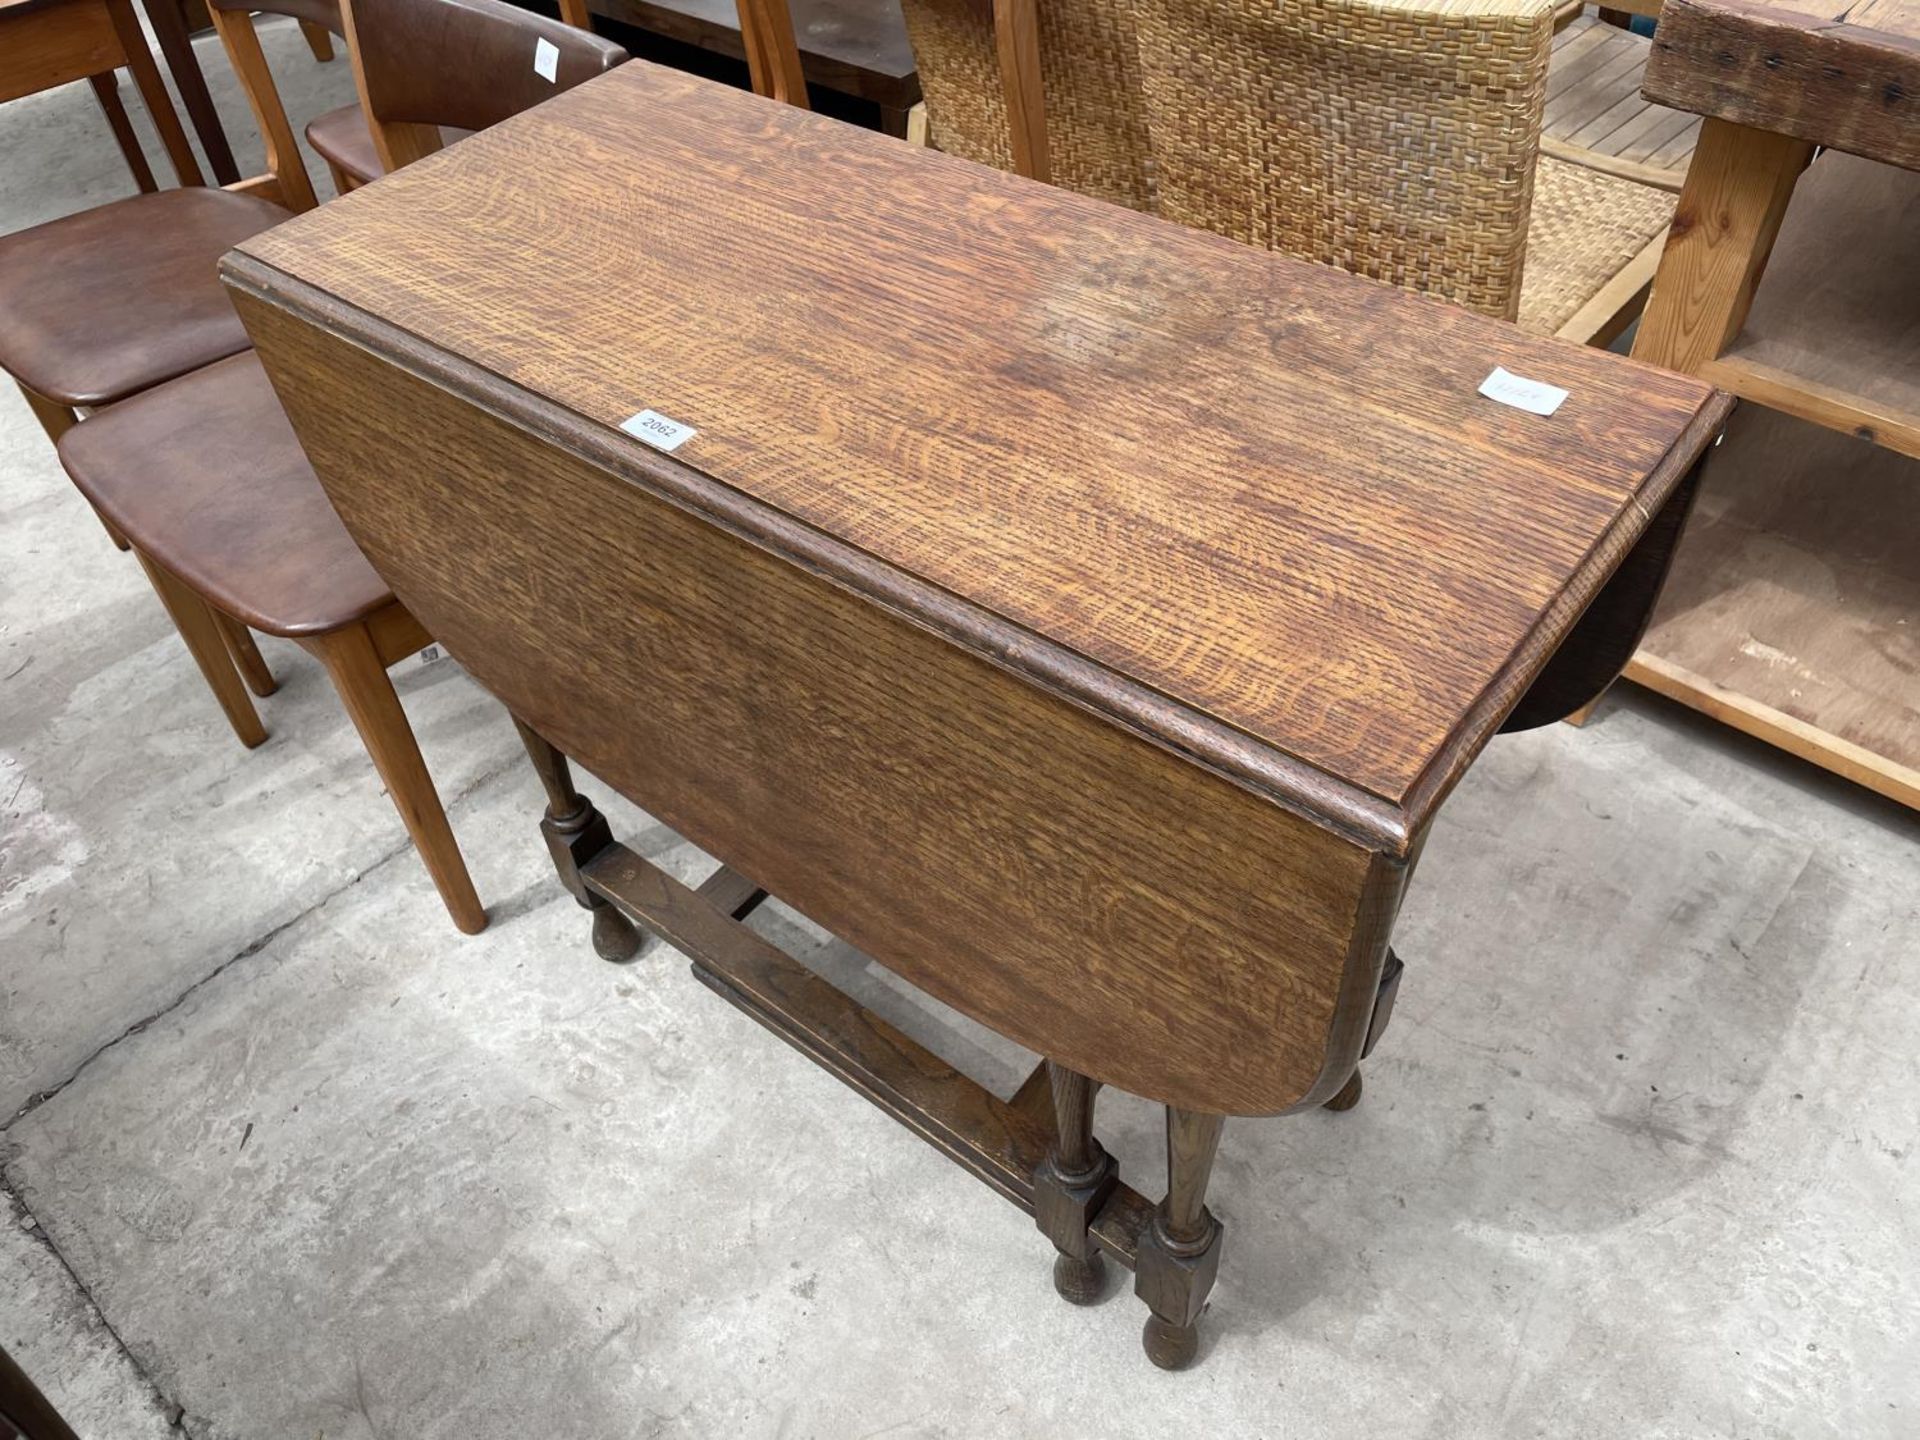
(1096, 133)
(1398, 140)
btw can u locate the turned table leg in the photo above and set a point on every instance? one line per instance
(1180, 1251)
(576, 832)
(1349, 1095)
(1071, 1185)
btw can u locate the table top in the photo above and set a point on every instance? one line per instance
(1253, 507)
(1842, 73)
(857, 47)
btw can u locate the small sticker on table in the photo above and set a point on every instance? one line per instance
(1534, 396)
(546, 61)
(658, 431)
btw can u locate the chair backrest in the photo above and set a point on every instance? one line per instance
(1392, 138)
(773, 55)
(466, 64)
(1093, 138)
(286, 180)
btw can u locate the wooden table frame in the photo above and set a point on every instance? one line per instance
(1774, 79)
(1036, 1150)
(1058, 727)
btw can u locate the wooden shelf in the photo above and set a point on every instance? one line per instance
(1834, 333)
(1793, 609)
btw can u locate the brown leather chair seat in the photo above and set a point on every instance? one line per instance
(106, 303)
(342, 138)
(204, 476)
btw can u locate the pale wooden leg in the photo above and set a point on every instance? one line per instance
(576, 832)
(1071, 1185)
(1179, 1253)
(246, 655)
(342, 181)
(319, 40)
(196, 622)
(106, 89)
(57, 419)
(353, 661)
(1723, 230)
(918, 129)
(1579, 718)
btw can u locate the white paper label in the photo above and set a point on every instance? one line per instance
(430, 655)
(546, 61)
(1534, 396)
(658, 431)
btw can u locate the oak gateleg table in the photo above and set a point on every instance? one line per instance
(1082, 616)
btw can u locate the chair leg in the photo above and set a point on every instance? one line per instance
(246, 655)
(319, 40)
(342, 181)
(106, 89)
(353, 661)
(195, 621)
(56, 419)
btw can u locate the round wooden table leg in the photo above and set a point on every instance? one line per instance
(1349, 1095)
(575, 833)
(1179, 1253)
(1071, 1185)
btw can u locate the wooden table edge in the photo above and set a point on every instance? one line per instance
(1556, 622)
(1263, 769)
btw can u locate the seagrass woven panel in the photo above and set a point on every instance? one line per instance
(1096, 133)
(1395, 140)
(1586, 227)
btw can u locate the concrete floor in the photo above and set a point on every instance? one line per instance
(287, 1157)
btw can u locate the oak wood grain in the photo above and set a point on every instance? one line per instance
(1186, 463)
(1017, 857)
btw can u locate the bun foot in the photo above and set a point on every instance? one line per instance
(1080, 1282)
(1348, 1097)
(1171, 1347)
(614, 937)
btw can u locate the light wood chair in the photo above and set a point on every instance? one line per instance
(109, 302)
(343, 138)
(205, 479)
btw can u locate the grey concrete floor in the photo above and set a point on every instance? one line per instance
(288, 1157)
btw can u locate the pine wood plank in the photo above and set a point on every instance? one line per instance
(1839, 73)
(1834, 332)
(1793, 608)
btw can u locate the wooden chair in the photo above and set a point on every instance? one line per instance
(100, 305)
(342, 137)
(1051, 90)
(205, 479)
(104, 304)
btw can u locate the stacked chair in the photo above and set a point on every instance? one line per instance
(186, 454)
(1399, 139)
